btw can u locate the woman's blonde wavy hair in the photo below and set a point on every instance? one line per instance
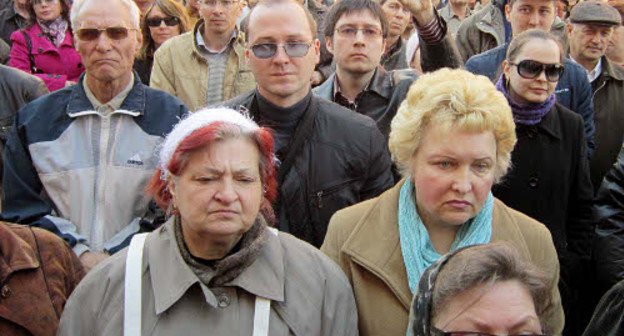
(452, 98)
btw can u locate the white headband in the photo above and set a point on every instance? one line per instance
(195, 121)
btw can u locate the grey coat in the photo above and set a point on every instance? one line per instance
(309, 294)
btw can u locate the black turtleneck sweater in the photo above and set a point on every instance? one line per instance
(283, 120)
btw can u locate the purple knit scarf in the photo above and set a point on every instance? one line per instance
(526, 114)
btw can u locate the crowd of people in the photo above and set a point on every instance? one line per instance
(307, 167)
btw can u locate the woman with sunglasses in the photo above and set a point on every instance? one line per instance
(549, 180)
(45, 47)
(163, 20)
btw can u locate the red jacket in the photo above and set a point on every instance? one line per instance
(58, 64)
(32, 296)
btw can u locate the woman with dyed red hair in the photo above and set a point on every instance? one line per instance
(215, 267)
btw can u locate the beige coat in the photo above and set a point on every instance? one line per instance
(364, 240)
(180, 70)
(310, 296)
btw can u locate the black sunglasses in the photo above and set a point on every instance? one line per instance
(113, 33)
(292, 49)
(156, 21)
(437, 332)
(531, 69)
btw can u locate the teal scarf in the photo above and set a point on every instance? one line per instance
(416, 246)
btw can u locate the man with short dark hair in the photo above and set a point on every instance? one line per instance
(78, 159)
(357, 34)
(206, 65)
(590, 29)
(330, 157)
(573, 89)
(489, 28)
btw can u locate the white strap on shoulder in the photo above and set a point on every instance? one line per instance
(261, 316)
(132, 286)
(262, 310)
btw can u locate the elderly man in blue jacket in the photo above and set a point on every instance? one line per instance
(77, 160)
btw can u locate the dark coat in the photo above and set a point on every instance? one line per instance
(381, 99)
(609, 241)
(608, 319)
(549, 180)
(609, 119)
(395, 58)
(10, 21)
(573, 89)
(144, 69)
(343, 161)
(38, 272)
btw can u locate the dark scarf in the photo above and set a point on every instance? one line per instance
(224, 270)
(54, 30)
(526, 114)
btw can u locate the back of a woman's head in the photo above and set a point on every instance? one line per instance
(452, 98)
(485, 265)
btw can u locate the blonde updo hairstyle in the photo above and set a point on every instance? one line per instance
(452, 98)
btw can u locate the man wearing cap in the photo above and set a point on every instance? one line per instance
(590, 29)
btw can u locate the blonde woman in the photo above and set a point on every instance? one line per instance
(452, 140)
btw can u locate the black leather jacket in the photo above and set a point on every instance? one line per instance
(609, 238)
(343, 161)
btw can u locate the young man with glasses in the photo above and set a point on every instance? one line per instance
(356, 32)
(205, 66)
(573, 90)
(329, 156)
(78, 159)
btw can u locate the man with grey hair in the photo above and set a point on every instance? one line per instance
(589, 31)
(77, 160)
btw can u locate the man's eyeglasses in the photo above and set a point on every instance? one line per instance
(292, 49)
(157, 21)
(531, 69)
(223, 3)
(113, 33)
(351, 32)
(437, 332)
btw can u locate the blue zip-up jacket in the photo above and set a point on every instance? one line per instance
(573, 90)
(80, 174)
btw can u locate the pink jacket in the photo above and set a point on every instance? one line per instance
(58, 64)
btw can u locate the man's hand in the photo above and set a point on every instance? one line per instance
(90, 259)
(422, 10)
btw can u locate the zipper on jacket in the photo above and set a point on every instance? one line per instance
(600, 87)
(319, 194)
(100, 201)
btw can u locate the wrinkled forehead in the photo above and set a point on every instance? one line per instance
(102, 14)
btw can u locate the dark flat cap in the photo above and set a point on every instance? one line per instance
(596, 12)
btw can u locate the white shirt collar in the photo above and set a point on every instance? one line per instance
(594, 73)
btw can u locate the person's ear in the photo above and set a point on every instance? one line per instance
(171, 187)
(506, 69)
(508, 12)
(569, 29)
(247, 46)
(329, 44)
